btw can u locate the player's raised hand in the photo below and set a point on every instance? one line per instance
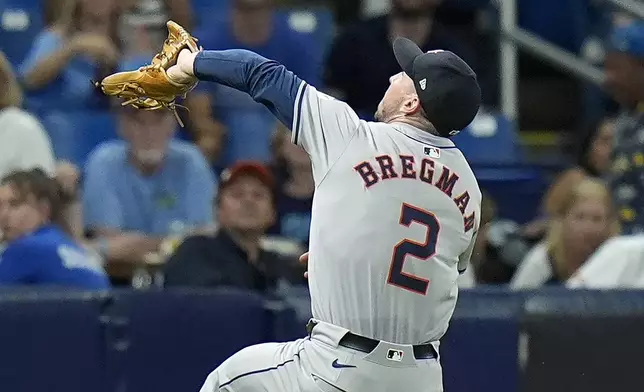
(303, 260)
(183, 71)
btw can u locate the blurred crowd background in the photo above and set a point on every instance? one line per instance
(153, 203)
(94, 195)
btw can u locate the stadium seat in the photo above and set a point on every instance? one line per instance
(20, 22)
(490, 140)
(516, 192)
(51, 342)
(492, 148)
(75, 134)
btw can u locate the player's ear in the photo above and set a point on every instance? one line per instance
(411, 104)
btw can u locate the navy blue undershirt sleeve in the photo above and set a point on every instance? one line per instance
(266, 81)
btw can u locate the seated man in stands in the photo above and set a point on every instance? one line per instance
(234, 256)
(39, 248)
(250, 24)
(146, 186)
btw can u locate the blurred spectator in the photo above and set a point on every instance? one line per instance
(39, 250)
(71, 218)
(584, 222)
(78, 45)
(618, 264)
(494, 258)
(295, 186)
(592, 161)
(361, 83)
(142, 26)
(147, 184)
(252, 25)
(234, 256)
(68, 177)
(496, 250)
(24, 144)
(624, 66)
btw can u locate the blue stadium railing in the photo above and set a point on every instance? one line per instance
(166, 341)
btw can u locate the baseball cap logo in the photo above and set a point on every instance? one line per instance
(423, 84)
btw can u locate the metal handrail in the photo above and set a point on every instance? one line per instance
(631, 6)
(556, 56)
(509, 60)
(514, 38)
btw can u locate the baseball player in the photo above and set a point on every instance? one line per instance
(395, 216)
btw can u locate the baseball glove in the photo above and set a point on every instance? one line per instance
(149, 87)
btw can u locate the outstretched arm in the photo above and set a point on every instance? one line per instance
(320, 124)
(266, 81)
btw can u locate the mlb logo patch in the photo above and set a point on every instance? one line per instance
(423, 84)
(433, 152)
(395, 355)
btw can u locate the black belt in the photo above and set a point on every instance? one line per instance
(367, 345)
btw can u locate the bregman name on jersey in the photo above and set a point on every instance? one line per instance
(408, 168)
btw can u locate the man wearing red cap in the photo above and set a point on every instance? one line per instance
(234, 256)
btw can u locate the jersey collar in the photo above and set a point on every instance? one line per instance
(423, 136)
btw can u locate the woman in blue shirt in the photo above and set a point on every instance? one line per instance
(39, 250)
(77, 45)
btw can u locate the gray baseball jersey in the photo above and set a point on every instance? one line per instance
(394, 218)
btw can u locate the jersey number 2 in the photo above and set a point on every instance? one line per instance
(406, 247)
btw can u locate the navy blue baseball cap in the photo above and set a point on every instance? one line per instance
(628, 39)
(447, 87)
